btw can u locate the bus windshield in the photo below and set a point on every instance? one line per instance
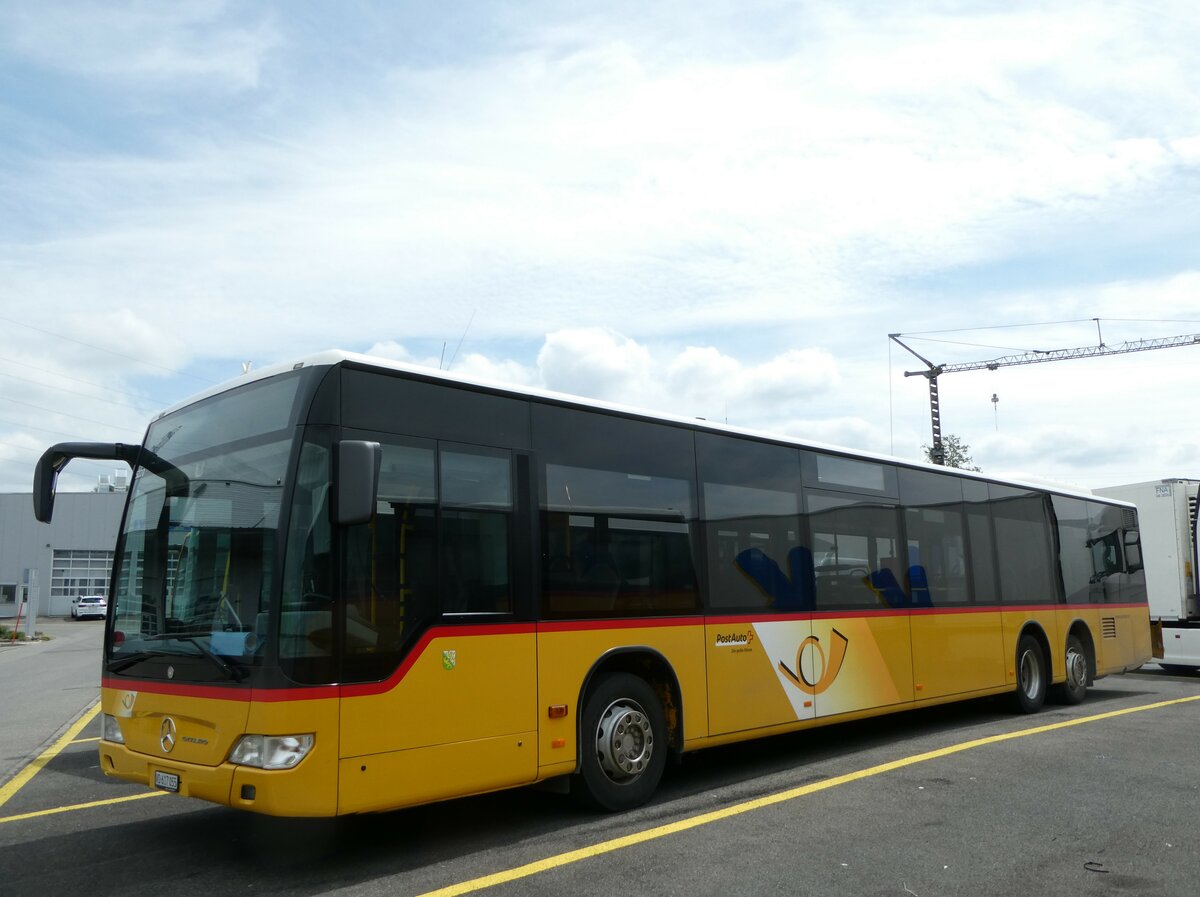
(196, 554)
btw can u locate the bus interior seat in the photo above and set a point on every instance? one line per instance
(884, 583)
(918, 586)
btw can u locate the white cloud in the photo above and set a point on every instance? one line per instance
(712, 209)
(609, 184)
(599, 363)
(480, 367)
(848, 432)
(767, 390)
(698, 381)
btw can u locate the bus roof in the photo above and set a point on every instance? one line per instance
(332, 357)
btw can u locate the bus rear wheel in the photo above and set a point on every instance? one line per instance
(1073, 690)
(624, 743)
(1031, 675)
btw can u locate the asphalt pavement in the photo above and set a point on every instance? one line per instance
(45, 686)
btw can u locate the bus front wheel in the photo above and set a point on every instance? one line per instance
(624, 743)
(1031, 675)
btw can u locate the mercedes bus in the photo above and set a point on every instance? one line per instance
(346, 585)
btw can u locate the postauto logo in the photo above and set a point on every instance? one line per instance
(734, 639)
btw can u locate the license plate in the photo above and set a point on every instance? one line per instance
(167, 781)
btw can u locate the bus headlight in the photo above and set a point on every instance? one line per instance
(271, 751)
(110, 730)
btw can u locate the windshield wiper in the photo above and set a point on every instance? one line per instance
(234, 671)
(124, 663)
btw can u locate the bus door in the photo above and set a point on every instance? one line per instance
(759, 574)
(752, 675)
(1029, 574)
(859, 653)
(957, 642)
(442, 666)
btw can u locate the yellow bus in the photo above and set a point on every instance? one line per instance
(344, 586)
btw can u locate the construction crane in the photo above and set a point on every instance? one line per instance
(937, 454)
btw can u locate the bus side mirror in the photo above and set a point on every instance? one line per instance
(55, 458)
(45, 477)
(1133, 551)
(356, 484)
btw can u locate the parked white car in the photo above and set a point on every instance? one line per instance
(88, 606)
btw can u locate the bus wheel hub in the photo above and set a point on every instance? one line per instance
(1076, 668)
(624, 740)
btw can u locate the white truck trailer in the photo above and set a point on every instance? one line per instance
(1167, 522)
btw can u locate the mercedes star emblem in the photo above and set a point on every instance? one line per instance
(166, 735)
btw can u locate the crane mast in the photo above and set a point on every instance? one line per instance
(937, 452)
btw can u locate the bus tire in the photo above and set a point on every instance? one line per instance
(1073, 690)
(623, 744)
(1031, 676)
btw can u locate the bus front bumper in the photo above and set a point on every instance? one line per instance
(291, 792)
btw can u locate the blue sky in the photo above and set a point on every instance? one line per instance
(715, 209)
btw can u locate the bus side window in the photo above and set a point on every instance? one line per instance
(935, 573)
(751, 511)
(617, 502)
(858, 561)
(477, 505)
(387, 564)
(1028, 573)
(981, 543)
(306, 612)
(1076, 553)
(616, 543)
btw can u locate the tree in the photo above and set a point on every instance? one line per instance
(957, 453)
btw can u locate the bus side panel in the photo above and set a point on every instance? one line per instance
(422, 775)
(464, 694)
(956, 651)
(567, 652)
(748, 685)
(786, 671)
(875, 667)
(1122, 636)
(456, 688)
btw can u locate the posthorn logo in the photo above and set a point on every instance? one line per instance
(824, 668)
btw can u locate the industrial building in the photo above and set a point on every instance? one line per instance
(71, 556)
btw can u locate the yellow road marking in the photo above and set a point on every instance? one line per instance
(614, 844)
(662, 831)
(87, 806)
(85, 740)
(21, 779)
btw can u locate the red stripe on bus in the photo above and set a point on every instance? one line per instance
(362, 689)
(636, 623)
(313, 692)
(176, 689)
(902, 611)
